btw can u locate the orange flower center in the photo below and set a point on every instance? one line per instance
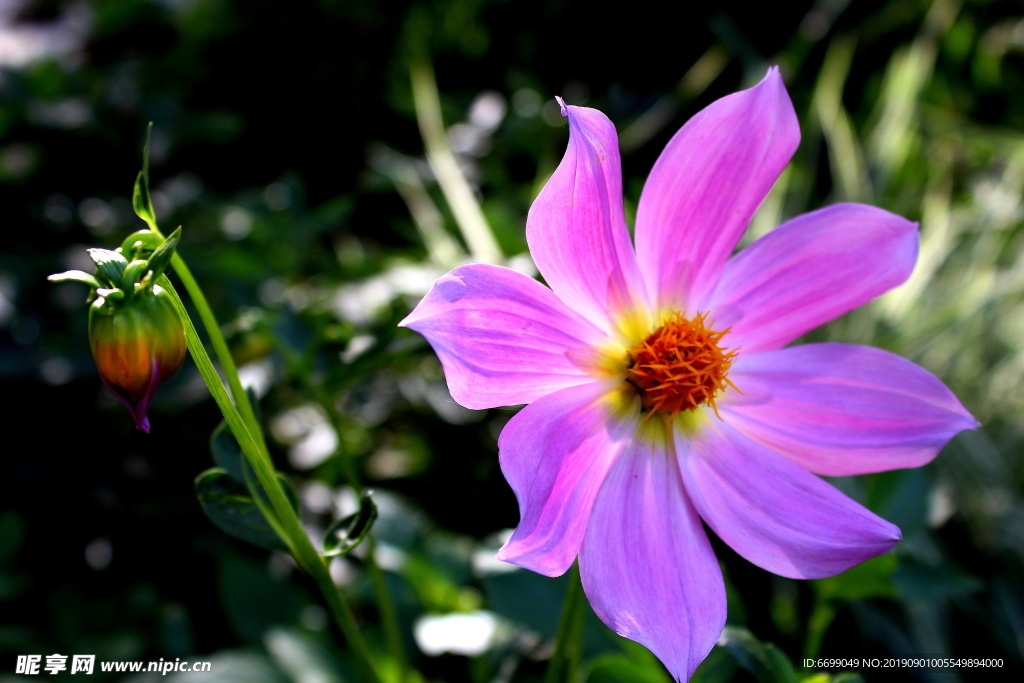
(680, 366)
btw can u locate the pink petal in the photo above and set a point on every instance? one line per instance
(647, 566)
(773, 513)
(840, 409)
(576, 227)
(555, 453)
(502, 337)
(810, 270)
(707, 184)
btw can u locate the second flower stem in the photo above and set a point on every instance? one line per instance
(565, 660)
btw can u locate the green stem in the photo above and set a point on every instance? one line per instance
(254, 448)
(818, 623)
(387, 608)
(385, 604)
(220, 345)
(565, 660)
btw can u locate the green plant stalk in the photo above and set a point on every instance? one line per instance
(259, 459)
(385, 604)
(817, 624)
(387, 607)
(220, 345)
(565, 660)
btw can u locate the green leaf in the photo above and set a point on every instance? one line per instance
(871, 579)
(111, 294)
(76, 276)
(109, 265)
(134, 273)
(231, 508)
(226, 452)
(618, 668)
(161, 258)
(347, 533)
(764, 660)
(141, 200)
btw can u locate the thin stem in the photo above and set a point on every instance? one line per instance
(565, 660)
(220, 345)
(385, 604)
(817, 624)
(255, 452)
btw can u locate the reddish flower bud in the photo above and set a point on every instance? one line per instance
(136, 344)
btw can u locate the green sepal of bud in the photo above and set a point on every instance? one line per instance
(109, 265)
(112, 295)
(140, 243)
(134, 273)
(76, 276)
(161, 258)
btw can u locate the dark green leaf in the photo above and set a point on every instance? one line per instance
(764, 660)
(231, 508)
(226, 452)
(347, 533)
(76, 276)
(618, 668)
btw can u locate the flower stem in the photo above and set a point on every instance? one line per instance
(251, 441)
(565, 660)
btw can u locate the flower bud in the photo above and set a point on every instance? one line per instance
(136, 344)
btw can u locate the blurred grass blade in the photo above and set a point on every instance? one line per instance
(456, 189)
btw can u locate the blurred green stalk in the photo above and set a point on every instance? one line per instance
(565, 660)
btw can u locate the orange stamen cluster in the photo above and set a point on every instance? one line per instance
(680, 366)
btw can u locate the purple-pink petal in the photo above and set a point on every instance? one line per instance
(775, 514)
(647, 566)
(555, 454)
(706, 186)
(810, 270)
(502, 337)
(841, 409)
(576, 227)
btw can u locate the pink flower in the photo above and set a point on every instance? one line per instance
(658, 387)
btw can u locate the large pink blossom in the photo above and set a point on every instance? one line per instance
(659, 388)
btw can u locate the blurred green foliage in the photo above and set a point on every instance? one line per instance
(286, 143)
